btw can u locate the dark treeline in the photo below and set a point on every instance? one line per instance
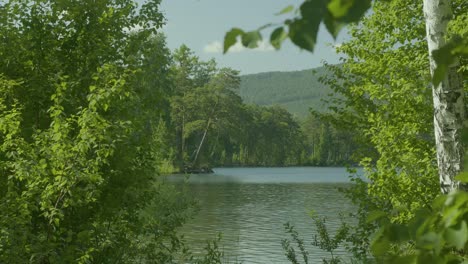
(211, 126)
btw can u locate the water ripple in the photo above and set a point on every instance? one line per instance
(251, 215)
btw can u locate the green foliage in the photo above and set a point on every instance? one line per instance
(445, 57)
(204, 109)
(272, 139)
(213, 253)
(327, 243)
(386, 102)
(78, 148)
(322, 240)
(162, 151)
(213, 126)
(302, 29)
(296, 91)
(289, 249)
(326, 145)
(439, 235)
(358, 239)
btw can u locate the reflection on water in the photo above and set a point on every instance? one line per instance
(250, 205)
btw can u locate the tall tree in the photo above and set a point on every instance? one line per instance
(448, 97)
(77, 105)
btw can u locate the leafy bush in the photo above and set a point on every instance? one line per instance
(437, 235)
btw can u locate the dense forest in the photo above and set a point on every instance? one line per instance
(94, 107)
(296, 91)
(214, 127)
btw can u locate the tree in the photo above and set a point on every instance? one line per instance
(448, 95)
(205, 108)
(188, 73)
(77, 105)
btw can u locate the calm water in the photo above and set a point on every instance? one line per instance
(250, 205)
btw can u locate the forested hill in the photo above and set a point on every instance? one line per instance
(297, 91)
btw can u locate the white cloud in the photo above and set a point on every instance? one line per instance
(217, 47)
(213, 47)
(265, 46)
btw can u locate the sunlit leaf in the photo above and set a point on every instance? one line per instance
(463, 177)
(339, 8)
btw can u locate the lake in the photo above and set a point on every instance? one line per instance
(249, 206)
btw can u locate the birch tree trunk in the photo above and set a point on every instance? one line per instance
(448, 97)
(202, 141)
(205, 132)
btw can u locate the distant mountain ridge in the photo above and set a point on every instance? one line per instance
(297, 91)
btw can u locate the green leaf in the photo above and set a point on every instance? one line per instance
(439, 74)
(439, 201)
(231, 38)
(285, 10)
(312, 12)
(398, 233)
(457, 236)
(429, 241)
(431, 258)
(339, 8)
(303, 34)
(375, 215)
(463, 177)
(410, 259)
(465, 135)
(356, 11)
(277, 37)
(251, 39)
(264, 26)
(446, 56)
(333, 26)
(379, 244)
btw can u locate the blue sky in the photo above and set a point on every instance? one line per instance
(201, 25)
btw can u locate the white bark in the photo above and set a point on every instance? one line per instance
(449, 108)
(202, 140)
